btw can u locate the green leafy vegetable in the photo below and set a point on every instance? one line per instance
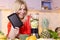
(53, 34)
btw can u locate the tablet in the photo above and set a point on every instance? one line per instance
(15, 20)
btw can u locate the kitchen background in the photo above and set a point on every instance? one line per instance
(52, 15)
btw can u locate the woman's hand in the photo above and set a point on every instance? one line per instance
(16, 30)
(13, 33)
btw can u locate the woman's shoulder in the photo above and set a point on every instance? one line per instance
(9, 24)
(27, 17)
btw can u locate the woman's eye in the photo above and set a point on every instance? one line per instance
(24, 9)
(19, 9)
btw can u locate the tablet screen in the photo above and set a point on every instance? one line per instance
(15, 20)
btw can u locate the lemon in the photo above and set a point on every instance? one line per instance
(27, 38)
(2, 37)
(31, 38)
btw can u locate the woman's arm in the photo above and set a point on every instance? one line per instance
(12, 32)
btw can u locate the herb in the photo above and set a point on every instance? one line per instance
(53, 34)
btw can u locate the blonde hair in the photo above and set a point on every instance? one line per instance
(18, 4)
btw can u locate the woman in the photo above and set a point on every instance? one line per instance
(26, 28)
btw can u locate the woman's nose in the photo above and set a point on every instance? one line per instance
(22, 11)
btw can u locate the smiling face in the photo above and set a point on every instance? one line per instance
(22, 11)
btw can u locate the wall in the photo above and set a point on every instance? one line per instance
(55, 4)
(0, 19)
(32, 4)
(4, 20)
(53, 18)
